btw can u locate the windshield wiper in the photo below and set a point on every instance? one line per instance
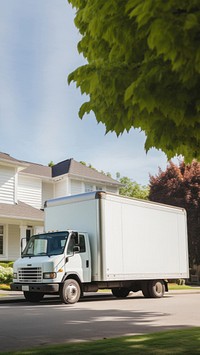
(27, 255)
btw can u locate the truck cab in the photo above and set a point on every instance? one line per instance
(49, 261)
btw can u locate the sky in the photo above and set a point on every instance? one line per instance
(38, 109)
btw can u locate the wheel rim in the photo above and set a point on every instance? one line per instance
(158, 288)
(71, 292)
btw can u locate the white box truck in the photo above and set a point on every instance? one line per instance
(99, 240)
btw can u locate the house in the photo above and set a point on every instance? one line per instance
(25, 186)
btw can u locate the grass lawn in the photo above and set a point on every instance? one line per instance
(174, 342)
(5, 287)
(174, 286)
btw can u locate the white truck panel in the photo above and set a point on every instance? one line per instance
(144, 240)
(74, 213)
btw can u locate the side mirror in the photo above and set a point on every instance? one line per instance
(23, 244)
(76, 249)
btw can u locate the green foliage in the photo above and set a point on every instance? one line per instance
(51, 163)
(133, 189)
(6, 275)
(7, 264)
(180, 186)
(143, 69)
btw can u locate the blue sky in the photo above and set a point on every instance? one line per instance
(39, 111)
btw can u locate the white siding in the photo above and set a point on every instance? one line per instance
(30, 191)
(47, 191)
(76, 187)
(61, 188)
(7, 185)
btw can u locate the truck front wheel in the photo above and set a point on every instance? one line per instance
(70, 291)
(33, 296)
(120, 292)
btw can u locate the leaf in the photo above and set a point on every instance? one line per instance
(191, 21)
(85, 108)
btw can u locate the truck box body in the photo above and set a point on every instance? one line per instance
(99, 240)
(130, 239)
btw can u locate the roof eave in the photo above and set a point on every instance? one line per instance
(16, 164)
(22, 218)
(86, 178)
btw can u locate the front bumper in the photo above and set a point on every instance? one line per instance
(45, 288)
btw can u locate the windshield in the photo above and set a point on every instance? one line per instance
(46, 244)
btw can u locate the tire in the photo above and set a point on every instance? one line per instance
(70, 291)
(33, 296)
(145, 289)
(120, 292)
(156, 288)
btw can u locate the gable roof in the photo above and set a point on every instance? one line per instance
(38, 169)
(21, 211)
(69, 166)
(79, 170)
(8, 160)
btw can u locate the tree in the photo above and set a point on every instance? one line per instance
(51, 163)
(133, 189)
(180, 186)
(143, 69)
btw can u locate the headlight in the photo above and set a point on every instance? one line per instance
(49, 275)
(15, 275)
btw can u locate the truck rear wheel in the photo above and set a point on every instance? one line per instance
(145, 289)
(120, 292)
(156, 288)
(70, 292)
(33, 296)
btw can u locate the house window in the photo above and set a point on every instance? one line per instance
(88, 188)
(98, 188)
(1, 240)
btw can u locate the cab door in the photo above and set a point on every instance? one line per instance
(78, 256)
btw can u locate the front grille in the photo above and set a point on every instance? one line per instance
(31, 274)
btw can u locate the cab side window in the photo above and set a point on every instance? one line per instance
(82, 243)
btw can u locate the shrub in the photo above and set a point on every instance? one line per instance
(6, 275)
(7, 263)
